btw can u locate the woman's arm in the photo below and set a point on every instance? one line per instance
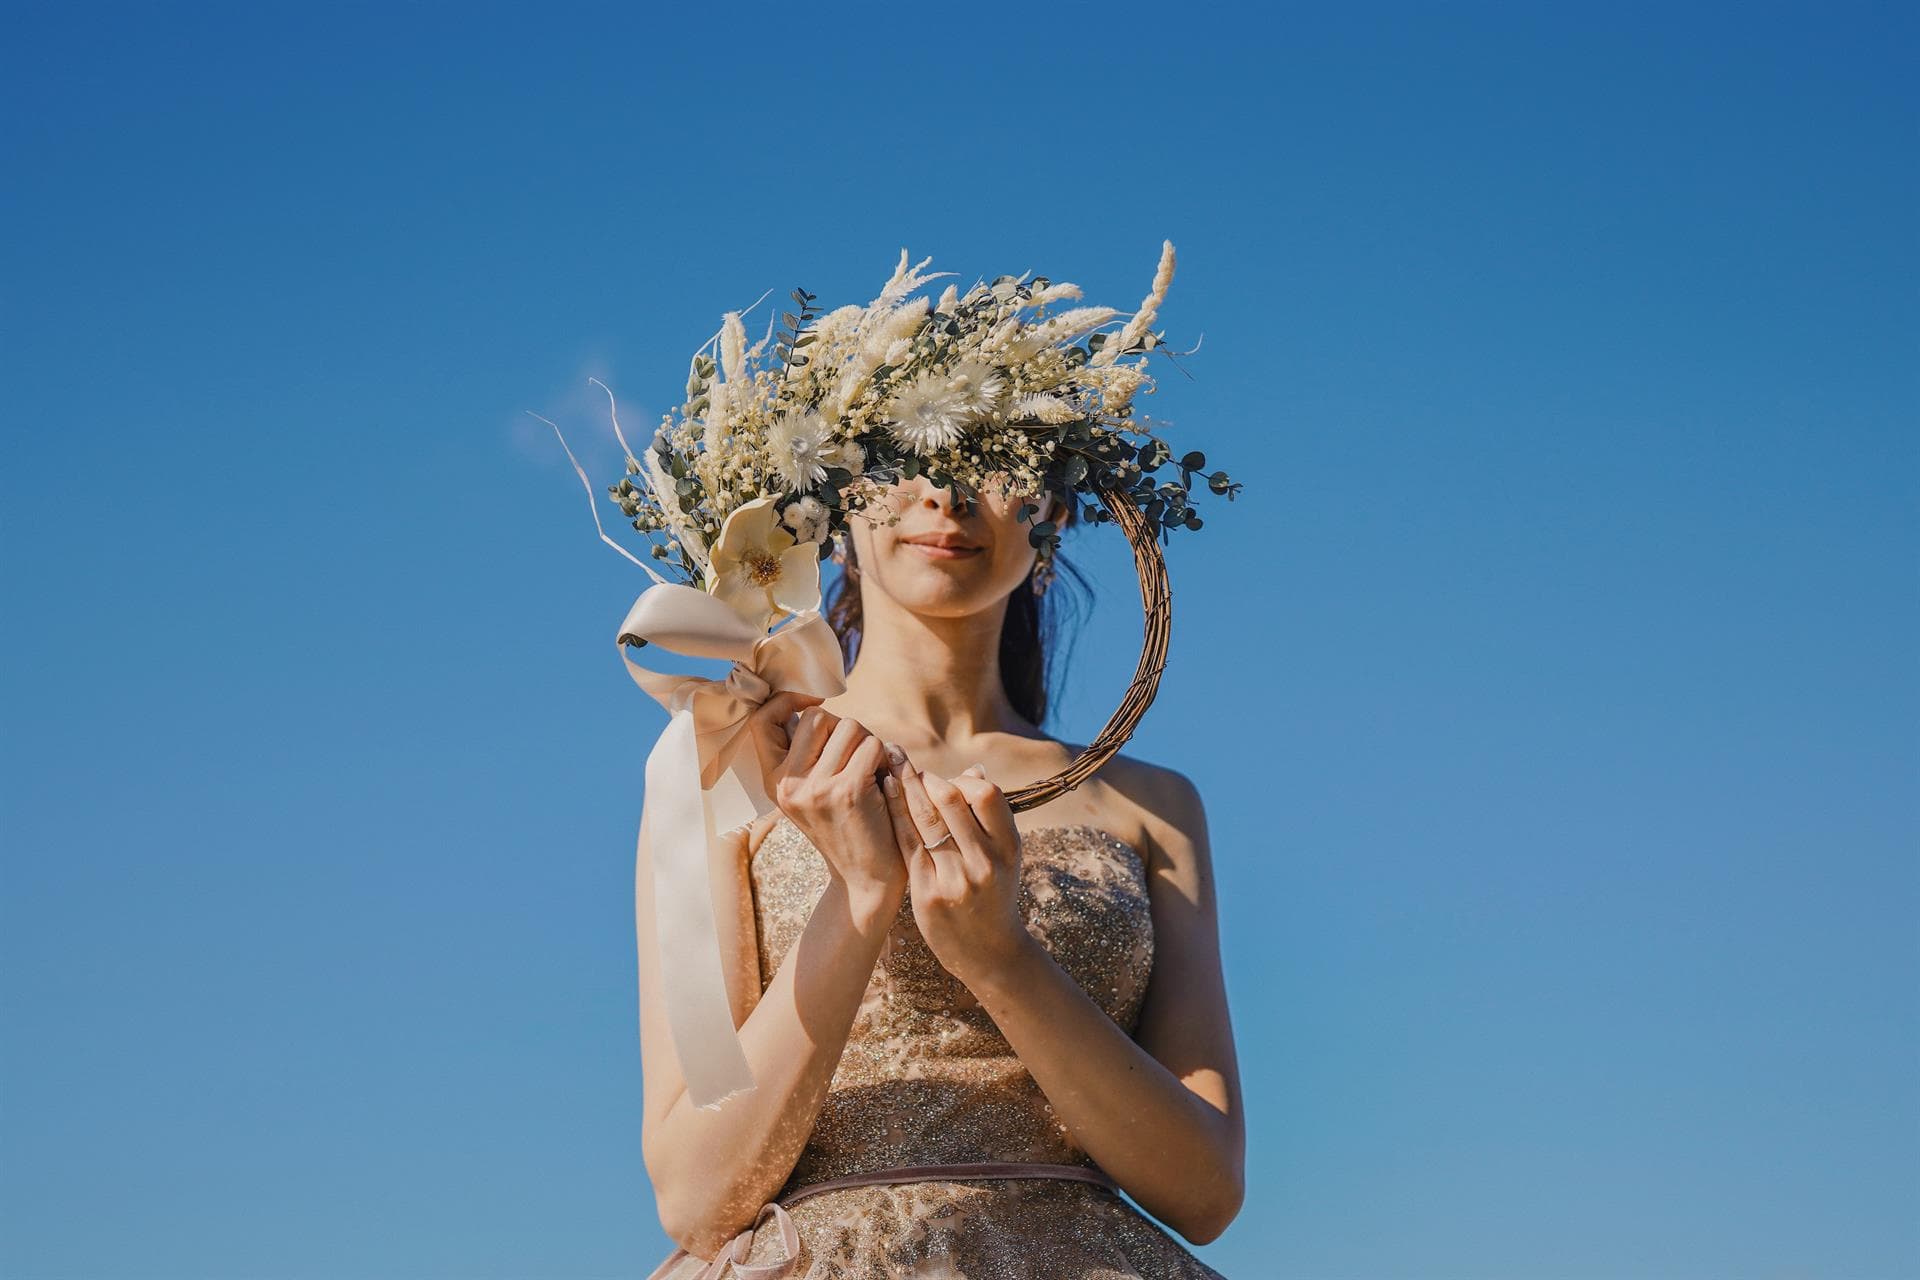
(1161, 1115)
(712, 1170)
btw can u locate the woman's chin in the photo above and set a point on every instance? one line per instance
(952, 590)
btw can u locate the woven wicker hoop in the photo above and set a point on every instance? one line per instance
(1156, 599)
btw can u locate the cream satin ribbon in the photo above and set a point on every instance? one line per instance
(683, 817)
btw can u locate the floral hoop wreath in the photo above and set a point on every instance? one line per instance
(746, 488)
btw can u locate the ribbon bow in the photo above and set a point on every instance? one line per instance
(731, 1261)
(703, 781)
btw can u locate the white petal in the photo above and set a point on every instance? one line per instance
(753, 603)
(798, 587)
(745, 526)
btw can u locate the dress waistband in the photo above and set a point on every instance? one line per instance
(736, 1250)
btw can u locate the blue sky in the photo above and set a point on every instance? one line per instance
(1551, 684)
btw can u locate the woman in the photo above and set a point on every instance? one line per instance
(917, 981)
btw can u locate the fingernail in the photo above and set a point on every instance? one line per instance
(978, 770)
(895, 756)
(892, 784)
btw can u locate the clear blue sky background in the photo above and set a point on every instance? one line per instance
(1552, 685)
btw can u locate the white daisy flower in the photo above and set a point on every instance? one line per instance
(980, 389)
(795, 443)
(926, 415)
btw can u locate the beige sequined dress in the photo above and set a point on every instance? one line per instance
(927, 1078)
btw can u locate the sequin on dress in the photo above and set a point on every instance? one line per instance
(927, 1078)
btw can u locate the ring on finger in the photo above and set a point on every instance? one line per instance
(935, 844)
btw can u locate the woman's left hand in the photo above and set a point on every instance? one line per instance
(965, 889)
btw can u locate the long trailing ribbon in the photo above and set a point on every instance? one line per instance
(684, 816)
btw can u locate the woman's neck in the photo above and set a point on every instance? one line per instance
(920, 679)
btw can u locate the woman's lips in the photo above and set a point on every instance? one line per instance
(932, 552)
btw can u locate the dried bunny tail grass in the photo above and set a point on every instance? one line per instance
(838, 323)
(733, 347)
(1137, 327)
(716, 425)
(1053, 293)
(904, 281)
(1015, 343)
(901, 322)
(1069, 325)
(1039, 406)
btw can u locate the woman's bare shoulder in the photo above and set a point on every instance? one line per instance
(1160, 803)
(1167, 799)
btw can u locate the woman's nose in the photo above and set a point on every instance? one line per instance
(949, 498)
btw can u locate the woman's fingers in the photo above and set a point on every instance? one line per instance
(927, 820)
(990, 809)
(811, 734)
(868, 758)
(838, 747)
(905, 834)
(959, 818)
(768, 727)
(920, 807)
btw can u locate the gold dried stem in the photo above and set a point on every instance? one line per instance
(1156, 599)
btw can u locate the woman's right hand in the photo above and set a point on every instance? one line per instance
(825, 776)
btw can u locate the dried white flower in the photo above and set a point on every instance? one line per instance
(926, 415)
(980, 390)
(848, 455)
(795, 443)
(807, 518)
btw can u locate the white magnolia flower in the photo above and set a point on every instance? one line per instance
(759, 569)
(795, 445)
(807, 518)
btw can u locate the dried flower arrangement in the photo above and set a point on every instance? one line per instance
(744, 488)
